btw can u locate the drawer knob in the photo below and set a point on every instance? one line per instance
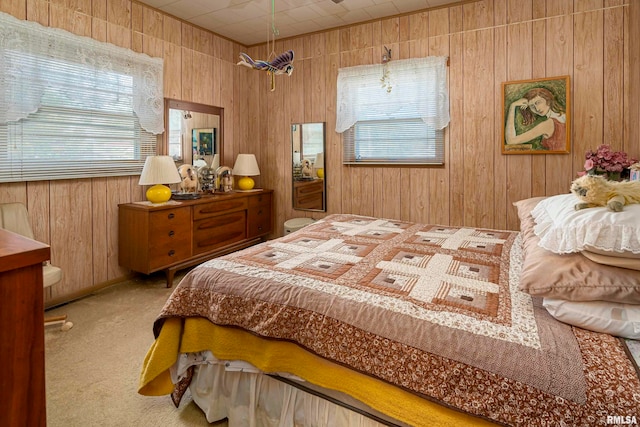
(171, 215)
(171, 252)
(260, 212)
(171, 233)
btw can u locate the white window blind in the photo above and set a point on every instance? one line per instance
(394, 112)
(72, 107)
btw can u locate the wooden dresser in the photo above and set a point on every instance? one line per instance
(180, 234)
(308, 194)
(22, 383)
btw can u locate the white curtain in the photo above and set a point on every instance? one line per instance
(34, 58)
(399, 89)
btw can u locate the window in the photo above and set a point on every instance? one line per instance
(393, 113)
(174, 134)
(72, 107)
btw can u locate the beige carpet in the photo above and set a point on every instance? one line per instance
(92, 370)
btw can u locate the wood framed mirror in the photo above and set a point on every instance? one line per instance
(194, 132)
(308, 148)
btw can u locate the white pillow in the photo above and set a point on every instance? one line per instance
(622, 320)
(562, 229)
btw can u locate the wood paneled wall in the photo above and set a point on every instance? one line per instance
(488, 42)
(79, 218)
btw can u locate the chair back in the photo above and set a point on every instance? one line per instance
(14, 217)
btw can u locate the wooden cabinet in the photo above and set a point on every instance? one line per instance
(259, 215)
(22, 383)
(308, 194)
(183, 233)
(169, 237)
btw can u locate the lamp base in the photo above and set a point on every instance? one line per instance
(246, 183)
(320, 172)
(158, 193)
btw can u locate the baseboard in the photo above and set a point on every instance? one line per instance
(67, 298)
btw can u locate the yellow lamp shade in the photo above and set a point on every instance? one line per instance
(246, 183)
(158, 193)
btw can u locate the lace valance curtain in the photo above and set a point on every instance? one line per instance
(380, 92)
(89, 73)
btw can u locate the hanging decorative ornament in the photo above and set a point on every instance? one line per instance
(281, 64)
(385, 80)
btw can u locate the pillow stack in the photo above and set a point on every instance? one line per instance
(585, 264)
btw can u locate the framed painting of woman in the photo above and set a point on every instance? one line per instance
(537, 116)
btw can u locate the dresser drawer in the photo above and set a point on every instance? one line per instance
(209, 210)
(260, 200)
(259, 221)
(169, 236)
(219, 231)
(308, 194)
(310, 201)
(170, 219)
(307, 188)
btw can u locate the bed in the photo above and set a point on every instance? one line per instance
(356, 320)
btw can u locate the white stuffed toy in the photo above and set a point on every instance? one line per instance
(307, 170)
(596, 190)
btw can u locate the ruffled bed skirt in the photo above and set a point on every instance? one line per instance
(258, 400)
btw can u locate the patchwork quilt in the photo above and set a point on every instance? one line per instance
(433, 310)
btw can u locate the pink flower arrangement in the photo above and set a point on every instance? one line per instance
(606, 161)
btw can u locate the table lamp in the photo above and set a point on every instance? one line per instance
(159, 170)
(246, 166)
(319, 165)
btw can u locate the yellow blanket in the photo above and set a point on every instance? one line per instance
(198, 334)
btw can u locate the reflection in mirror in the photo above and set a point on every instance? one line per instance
(194, 133)
(308, 148)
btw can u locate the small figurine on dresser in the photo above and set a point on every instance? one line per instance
(189, 175)
(225, 177)
(227, 182)
(206, 177)
(307, 170)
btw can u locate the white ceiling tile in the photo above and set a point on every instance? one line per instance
(210, 21)
(382, 10)
(328, 8)
(357, 4)
(248, 21)
(307, 26)
(187, 9)
(410, 5)
(300, 14)
(329, 21)
(158, 4)
(249, 11)
(436, 3)
(355, 16)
